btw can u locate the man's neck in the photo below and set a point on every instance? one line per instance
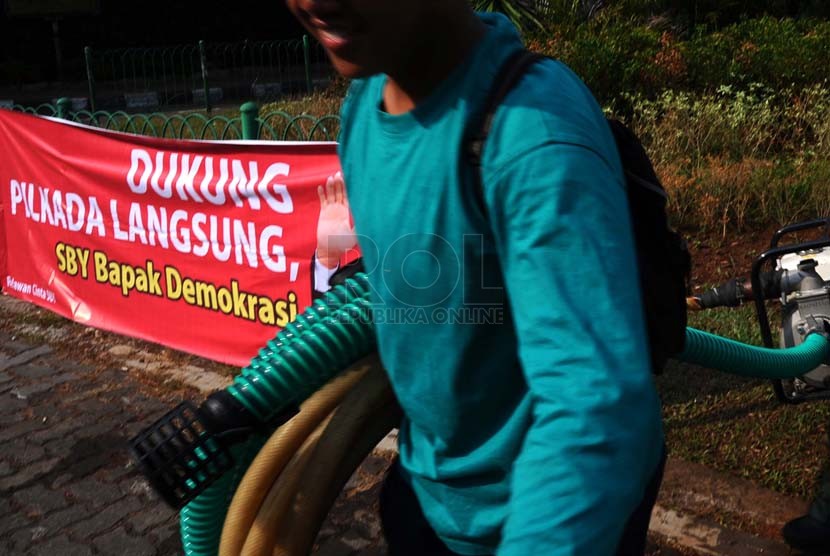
(430, 62)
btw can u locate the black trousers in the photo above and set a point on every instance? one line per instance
(408, 533)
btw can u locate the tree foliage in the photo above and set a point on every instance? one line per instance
(523, 13)
(685, 13)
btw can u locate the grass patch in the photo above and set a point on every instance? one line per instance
(735, 424)
(737, 323)
(311, 118)
(319, 104)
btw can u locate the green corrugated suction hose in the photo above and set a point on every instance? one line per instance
(324, 339)
(200, 522)
(734, 357)
(336, 331)
(329, 336)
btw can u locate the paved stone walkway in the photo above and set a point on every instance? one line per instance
(67, 487)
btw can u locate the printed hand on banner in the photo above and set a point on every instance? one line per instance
(335, 233)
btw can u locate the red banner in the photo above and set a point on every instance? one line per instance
(207, 247)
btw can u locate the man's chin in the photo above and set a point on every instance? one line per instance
(352, 70)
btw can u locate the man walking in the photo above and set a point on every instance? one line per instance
(511, 326)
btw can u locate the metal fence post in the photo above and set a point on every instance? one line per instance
(90, 78)
(203, 59)
(64, 106)
(250, 125)
(307, 56)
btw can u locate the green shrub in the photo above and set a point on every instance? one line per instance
(611, 56)
(737, 160)
(318, 104)
(523, 14)
(689, 12)
(776, 53)
(734, 124)
(617, 56)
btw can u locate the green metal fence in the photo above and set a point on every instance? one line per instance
(247, 124)
(203, 74)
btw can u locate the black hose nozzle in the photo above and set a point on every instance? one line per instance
(187, 449)
(735, 291)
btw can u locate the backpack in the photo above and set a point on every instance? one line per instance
(662, 255)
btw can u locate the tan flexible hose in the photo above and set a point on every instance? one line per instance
(367, 413)
(277, 504)
(276, 453)
(270, 482)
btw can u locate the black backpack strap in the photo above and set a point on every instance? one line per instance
(509, 74)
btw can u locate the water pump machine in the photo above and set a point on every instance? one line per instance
(796, 276)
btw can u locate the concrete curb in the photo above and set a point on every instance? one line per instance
(691, 494)
(692, 497)
(706, 537)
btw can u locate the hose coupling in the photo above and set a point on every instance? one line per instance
(187, 449)
(815, 325)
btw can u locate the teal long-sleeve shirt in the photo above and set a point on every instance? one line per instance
(514, 341)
